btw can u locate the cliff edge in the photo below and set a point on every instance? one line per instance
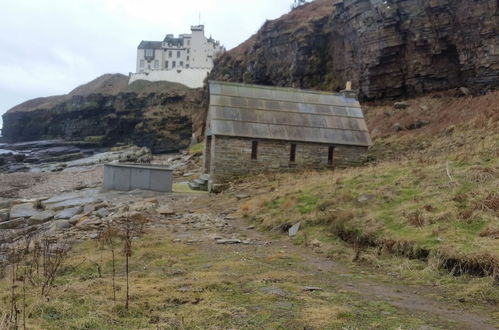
(388, 49)
(158, 115)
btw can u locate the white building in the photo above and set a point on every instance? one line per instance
(187, 59)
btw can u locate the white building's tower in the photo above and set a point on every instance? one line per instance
(186, 59)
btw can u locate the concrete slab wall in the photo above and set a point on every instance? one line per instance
(127, 177)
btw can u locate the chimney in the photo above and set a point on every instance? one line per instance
(348, 91)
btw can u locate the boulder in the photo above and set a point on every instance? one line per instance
(89, 208)
(294, 230)
(4, 215)
(75, 219)
(102, 213)
(165, 211)
(400, 105)
(363, 198)
(418, 124)
(59, 225)
(90, 224)
(41, 217)
(397, 127)
(464, 91)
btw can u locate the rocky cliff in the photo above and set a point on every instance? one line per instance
(161, 116)
(387, 48)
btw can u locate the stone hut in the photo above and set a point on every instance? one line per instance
(254, 129)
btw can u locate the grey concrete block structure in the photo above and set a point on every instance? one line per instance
(127, 177)
(254, 129)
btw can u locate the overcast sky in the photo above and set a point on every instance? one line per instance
(48, 47)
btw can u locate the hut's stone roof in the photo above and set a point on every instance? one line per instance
(265, 112)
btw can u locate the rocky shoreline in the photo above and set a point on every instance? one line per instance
(56, 155)
(53, 197)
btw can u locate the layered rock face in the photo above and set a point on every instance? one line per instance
(388, 49)
(162, 120)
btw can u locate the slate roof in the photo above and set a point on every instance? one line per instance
(150, 44)
(264, 112)
(177, 42)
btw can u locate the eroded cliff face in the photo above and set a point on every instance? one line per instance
(161, 119)
(388, 49)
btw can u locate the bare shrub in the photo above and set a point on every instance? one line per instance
(132, 225)
(416, 218)
(466, 214)
(108, 238)
(44, 260)
(491, 202)
(491, 232)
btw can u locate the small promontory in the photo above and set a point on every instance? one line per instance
(159, 115)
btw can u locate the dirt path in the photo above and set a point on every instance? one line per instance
(420, 301)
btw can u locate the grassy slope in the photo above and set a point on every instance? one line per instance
(432, 197)
(177, 286)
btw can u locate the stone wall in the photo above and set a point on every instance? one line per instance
(192, 78)
(231, 156)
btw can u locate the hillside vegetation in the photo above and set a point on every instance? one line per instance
(429, 194)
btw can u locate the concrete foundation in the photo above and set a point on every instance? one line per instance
(127, 177)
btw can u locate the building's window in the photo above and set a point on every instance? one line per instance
(181, 63)
(188, 42)
(149, 52)
(166, 64)
(142, 63)
(254, 149)
(187, 65)
(187, 58)
(178, 54)
(170, 54)
(188, 51)
(174, 64)
(330, 155)
(156, 64)
(292, 154)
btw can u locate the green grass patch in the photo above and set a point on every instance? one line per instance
(196, 149)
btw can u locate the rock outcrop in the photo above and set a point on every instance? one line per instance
(388, 49)
(161, 116)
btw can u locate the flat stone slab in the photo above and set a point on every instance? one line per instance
(71, 203)
(71, 195)
(23, 211)
(68, 213)
(41, 217)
